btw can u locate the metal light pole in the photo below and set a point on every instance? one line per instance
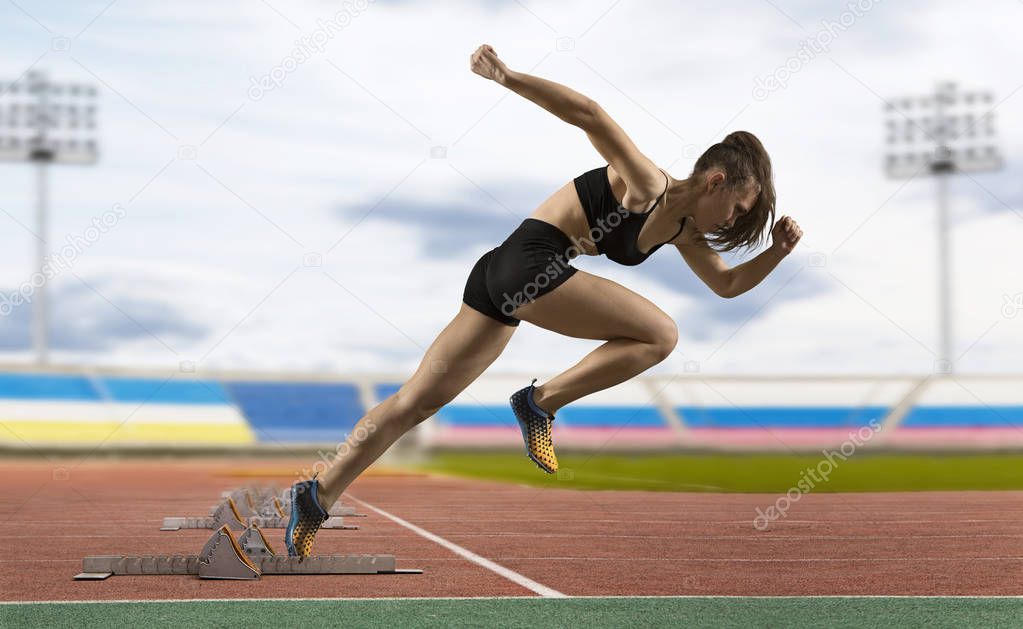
(40, 308)
(939, 135)
(46, 123)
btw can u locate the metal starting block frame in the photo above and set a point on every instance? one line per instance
(265, 501)
(227, 514)
(247, 557)
(337, 508)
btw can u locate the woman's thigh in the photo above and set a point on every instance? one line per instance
(591, 307)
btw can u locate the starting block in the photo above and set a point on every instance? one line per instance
(263, 501)
(337, 508)
(228, 514)
(247, 557)
(256, 492)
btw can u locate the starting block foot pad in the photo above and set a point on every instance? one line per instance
(253, 501)
(229, 514)
(176, 524)
(225, 557)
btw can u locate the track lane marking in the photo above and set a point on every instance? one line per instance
(511, 575)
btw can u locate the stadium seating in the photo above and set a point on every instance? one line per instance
(64, 409)
(41, 386)
(753, 413)
(973, 411)
(622, 416)
(292, 412)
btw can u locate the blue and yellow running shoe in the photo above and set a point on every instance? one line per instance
(306, 517)
(535, 424)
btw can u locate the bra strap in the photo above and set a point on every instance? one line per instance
(662, 194)
(680, 228)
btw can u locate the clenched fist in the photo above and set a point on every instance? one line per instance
(785, 235)
(485, 63)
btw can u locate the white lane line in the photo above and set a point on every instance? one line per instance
(511, 575)
(745, 522)
(739, 560)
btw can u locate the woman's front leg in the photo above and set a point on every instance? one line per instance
(461, 352)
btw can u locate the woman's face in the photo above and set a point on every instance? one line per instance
(720, 205)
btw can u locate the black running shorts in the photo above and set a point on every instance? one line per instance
(532, 261)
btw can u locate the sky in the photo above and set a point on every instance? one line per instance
(326, 219)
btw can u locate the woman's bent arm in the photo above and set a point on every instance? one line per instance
(751, 272)
(785, 235)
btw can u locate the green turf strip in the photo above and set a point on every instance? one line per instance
(862, 471)
(631, 612)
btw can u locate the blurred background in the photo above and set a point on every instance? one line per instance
(241, 224)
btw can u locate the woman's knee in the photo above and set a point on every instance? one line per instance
(663, 338)
(413, 407)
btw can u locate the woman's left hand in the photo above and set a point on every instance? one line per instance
(785, 235)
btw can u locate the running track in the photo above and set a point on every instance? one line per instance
(484, 539)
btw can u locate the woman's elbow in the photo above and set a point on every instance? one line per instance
(590, 115)
(725, 286)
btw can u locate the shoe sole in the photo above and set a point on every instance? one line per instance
(289, 533)
(539, 463)
(525, 439)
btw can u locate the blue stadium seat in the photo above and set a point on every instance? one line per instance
(31, 386)
(611, 417)
(460, 414)
(384, 391)
(165, 391)
(493, 416)
(781, 417)
(477, 416)
(294, 412)
(964, 416)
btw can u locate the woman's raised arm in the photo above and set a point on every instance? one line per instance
(641, 175)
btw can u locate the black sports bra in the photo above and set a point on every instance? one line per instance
(613, 229)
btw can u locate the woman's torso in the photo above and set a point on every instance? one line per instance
(564, 209)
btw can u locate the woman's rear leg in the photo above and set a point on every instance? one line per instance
(461, 352)
(638, 335)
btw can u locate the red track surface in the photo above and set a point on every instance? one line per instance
(578, 543)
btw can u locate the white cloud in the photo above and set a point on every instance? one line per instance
(324, 140)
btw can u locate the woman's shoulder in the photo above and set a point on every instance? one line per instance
(638, 195)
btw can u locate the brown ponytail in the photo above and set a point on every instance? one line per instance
(742, 158)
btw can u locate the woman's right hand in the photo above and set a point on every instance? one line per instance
(485, 63)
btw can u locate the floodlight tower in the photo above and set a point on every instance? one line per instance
(942, 134)
(46, 123)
